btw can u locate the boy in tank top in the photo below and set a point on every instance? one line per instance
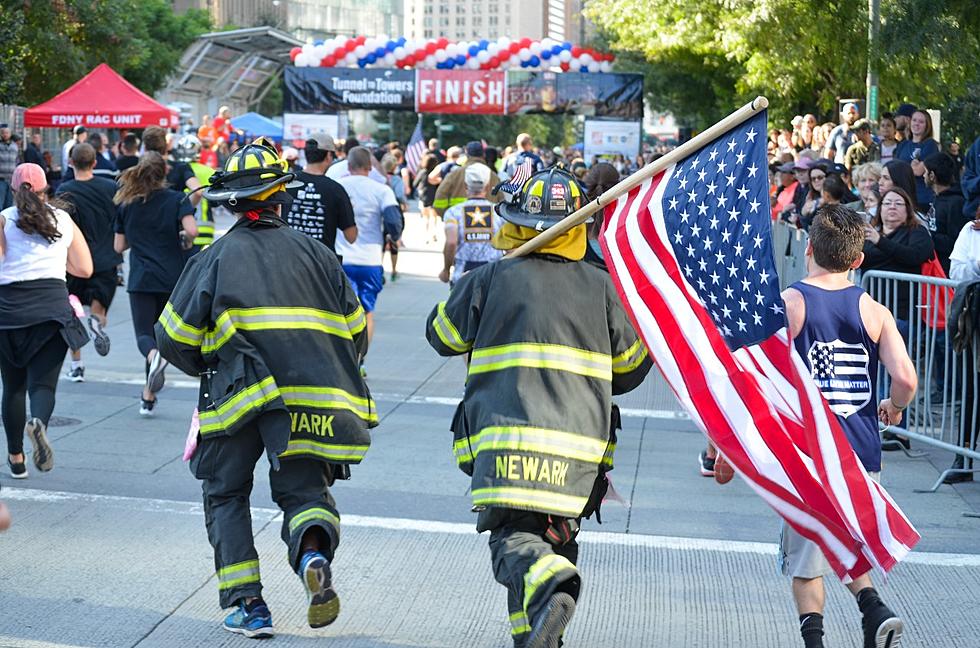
(842, 334)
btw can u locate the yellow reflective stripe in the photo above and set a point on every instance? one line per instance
(329, 398)
(331, 452)
(318, 513)
(356, 321)
(546, 568)
(238, 574)
(527, 498)
(519, 623)
(607, 458)
(447, 332)
(631, 358)
(531, 439)
(541, 356)
(179, 330)
(440, 203)
(457, 200)
(263, 319)
(237, 406)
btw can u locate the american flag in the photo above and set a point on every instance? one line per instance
(521, 175)
(415, 150)
(691, 255)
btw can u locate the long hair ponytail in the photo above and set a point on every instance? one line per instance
(34, 215)
(138, 182)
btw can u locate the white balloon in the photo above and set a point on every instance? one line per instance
(441, 56)
(594, 67)
(473, 63)
(308, 48)
(493, 49)
(301, 60)
(360, 51)
(350, 58)
(389, 59)
(319, 51)
(382, 40)
(483, 56)
(371, 44)
(504, 42)
(586, 59)
(536, 48)
(564, 56)
(430, 61)
(515, 61)
(605, 66)
(574, 65)
(400, 53)
(524, 54)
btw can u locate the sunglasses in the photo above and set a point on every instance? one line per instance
(817, 177)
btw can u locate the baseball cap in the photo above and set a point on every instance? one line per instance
(848, 106)
(79, 129)
(477, 175)
(786, 167)
(837, 169)
(322, 141)
(31, 174)
(905, 110)
(862, 124)
(803, 164)
(475, 149)
(289, 153)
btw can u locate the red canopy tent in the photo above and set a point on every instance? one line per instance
(101, 99)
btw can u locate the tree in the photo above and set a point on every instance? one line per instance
(705, 57)
(50, 44)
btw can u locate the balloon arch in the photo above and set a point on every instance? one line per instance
(443, 54)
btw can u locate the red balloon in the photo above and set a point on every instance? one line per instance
(350, 46)
(328, 62)
(515, 48)
(293, 53)
(564, 67)
(431, 48)
(493, 62)
(577, 51)
(610, 57)
(360, 40)
(408, 61)
(339, 53)
(526, 42)
(442, 42)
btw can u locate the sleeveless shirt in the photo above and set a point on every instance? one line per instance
(843, 361)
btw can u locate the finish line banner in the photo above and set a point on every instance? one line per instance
(331, 90)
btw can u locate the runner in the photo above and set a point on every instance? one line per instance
(470, 227)
(152, 219)
(278, 361)
(39, 243)
(320, 205)
(375, 211)
(180, 176)
(841, 333)
(90, 198)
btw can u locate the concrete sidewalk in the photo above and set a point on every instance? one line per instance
(109, 549)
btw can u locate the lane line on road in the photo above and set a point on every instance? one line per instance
(667, 543)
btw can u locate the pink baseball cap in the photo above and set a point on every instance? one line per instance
(30, 174)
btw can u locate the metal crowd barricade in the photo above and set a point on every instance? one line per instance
(789, 245)
(943, 413)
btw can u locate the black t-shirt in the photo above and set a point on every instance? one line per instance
(95, 214)
(178, 175)
(152, 229)
(320, 207)
(124, 162)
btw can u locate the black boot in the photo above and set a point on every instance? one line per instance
(882, 627)
(959, 463)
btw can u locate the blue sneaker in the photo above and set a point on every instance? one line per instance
(256, 624)
(324, 608)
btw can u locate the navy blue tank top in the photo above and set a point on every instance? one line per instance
(843, 361)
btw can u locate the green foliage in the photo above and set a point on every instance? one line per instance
(50, 44)
(497, 130)
(703, 58)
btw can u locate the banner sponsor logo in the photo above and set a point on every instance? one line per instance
(317, 90)
(460, 92)
(97, 120)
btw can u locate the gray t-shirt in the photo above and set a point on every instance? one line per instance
(475, 223)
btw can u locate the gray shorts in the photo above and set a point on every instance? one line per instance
(801, 558)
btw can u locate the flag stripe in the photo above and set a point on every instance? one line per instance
(415, 149)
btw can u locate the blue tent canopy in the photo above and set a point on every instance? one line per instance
(254, 124)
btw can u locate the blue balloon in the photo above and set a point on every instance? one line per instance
(371, 58)
(534, 61)
(440, 66)
(473, 50)
(450, 64)
(545, 55)
(380, 52)
(318, 42)
(401, 41)
(556, 49)
(361, 62)
(566, 45)
(484, 43)
(390, 45)
(461, 59)
(524, 64)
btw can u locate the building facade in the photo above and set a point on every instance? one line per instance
(306, 19)
(560, 20)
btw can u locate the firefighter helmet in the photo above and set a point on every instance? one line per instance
(254, 172)
(544, 199)
(187, 149)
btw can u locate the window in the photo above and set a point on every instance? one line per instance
(460, 21)
(477, 9)
(492, 8)
(492, 20)
(443, 9)
(427, 9)
(428, 33)
(478, 21)
(444, 21)
(427, 21)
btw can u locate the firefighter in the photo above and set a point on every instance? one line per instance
(268, 320)
(188, 151)
(549, 345)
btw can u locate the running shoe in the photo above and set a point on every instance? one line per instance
(43, 455)
(76, 374)
(155, 379)
(99, 337)
(547, 629)
(146, 407)
(256, 624)
(706, 464)
(882, 628)
(17, 470)
(324, 608)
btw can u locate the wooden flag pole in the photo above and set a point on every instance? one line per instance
(625, 185)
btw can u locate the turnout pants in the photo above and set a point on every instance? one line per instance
(533, 556)
(300, 488)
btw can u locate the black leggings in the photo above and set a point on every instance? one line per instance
(146, 308)
(39, 379)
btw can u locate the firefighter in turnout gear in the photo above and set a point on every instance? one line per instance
(188, 150)
(549, 344)
(269, 321)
